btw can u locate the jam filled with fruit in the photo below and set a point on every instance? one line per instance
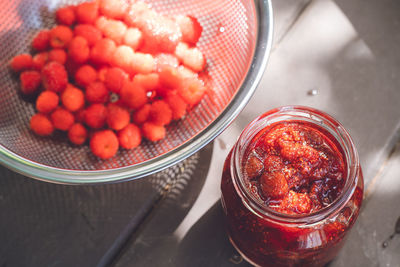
(292, 188)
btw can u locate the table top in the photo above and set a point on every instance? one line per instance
(344, 50)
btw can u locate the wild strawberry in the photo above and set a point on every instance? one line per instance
(129, 137)
(47, 101)
(117, 117)
(60, 36)
(102, 73)
(85, 75)
(96, 92)
(62, 119)
(133, 95)
(65, 15)
(80, 115)
(39, 60)
(77, 134)
(95, 116)
(160, 113)
(164, 59)
(160, 34)
(192, 91)
(142, 63)
(54, 77)
(190, 28)
(72, 98)
(113, 29)
(273, 185)
(295, 203)
(178, 106)
(104, 144)
(41, 42)
(133, 37)
(190, 57)
(89, 32)
(113, 8)
(30, 81)
(254, 167)
(123, 57)
(103, 51)
(115, 79)
(149, 82)
(78, 50)
(21, 62)
(134, 12)
(87, 12)
(58, 55)
(153, 132)
(141, 115)
(41, 125)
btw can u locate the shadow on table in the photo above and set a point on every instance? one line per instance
(207, 244)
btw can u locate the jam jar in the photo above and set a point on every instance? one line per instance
(292, 188)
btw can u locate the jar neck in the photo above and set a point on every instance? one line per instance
(304, 114)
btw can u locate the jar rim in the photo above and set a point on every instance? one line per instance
(313, 116)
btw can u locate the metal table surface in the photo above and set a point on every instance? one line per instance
(346, 50)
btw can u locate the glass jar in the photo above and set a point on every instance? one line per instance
(266, 237)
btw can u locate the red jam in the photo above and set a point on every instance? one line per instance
(294, 168)
(290, 190)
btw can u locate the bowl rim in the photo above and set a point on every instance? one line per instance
(257, 67)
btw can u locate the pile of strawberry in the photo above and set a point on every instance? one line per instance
(112, 72)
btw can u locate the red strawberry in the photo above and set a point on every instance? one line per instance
(54, 77)
(153, 132)
(129, 137)
(190, 57)
(190, 28)
(117, 117)
(21, 62)
(115, 79)
(30, 81)
(87, 12)
(133, 95)
(58, 55)
(149, 82)
(95, 116)
(39, 60)
(60, 36)
(62, 119)
(141, 115)
(41, 42)
(96, 92)
(72, 98)
(78, 50)
(103, 51)
(85, 75)
(89, 32)
(41, 125)
(77, 134)
(65, 15)
(47, 101)
(104, 144)
(160, 113)
(177, 105)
